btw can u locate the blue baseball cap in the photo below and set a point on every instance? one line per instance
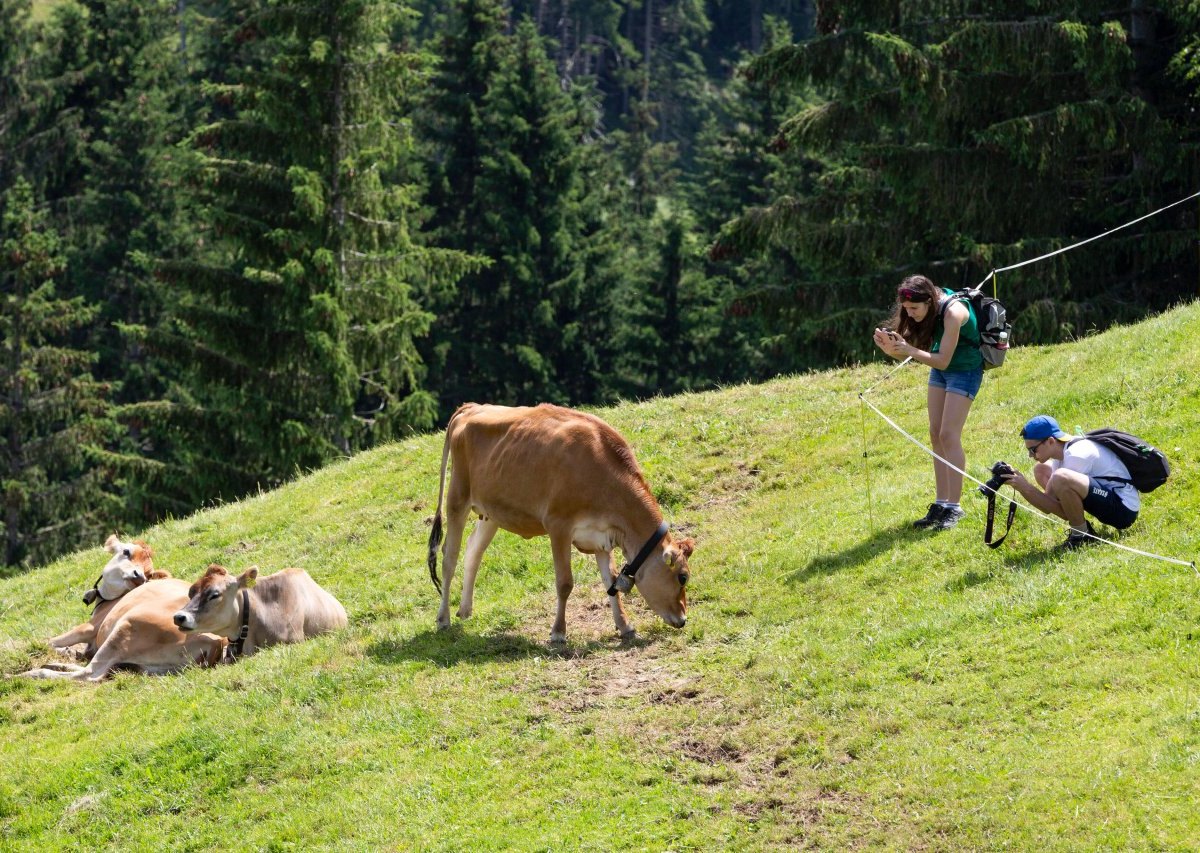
(1042, 427)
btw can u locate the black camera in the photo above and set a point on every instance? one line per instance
(1000, 470)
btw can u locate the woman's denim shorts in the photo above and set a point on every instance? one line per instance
(964, 382)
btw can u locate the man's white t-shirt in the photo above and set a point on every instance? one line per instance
(1099, 463)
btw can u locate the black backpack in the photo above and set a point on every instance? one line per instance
(1148, 466)
(991, 319)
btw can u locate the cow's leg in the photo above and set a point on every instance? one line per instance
(560, 546)
(79, 634)
(71, 671)
(477, 543)
(54, 670)
(604, 561)
(456, 520)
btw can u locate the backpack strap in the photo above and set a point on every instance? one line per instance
(946, 302)
(1111, 479)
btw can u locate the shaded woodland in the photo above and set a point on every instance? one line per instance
(239, 239)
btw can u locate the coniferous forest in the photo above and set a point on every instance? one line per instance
(241, 238)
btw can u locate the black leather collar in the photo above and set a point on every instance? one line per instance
(235, 648)
(630, 569)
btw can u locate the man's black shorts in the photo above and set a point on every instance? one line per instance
(1105, 505)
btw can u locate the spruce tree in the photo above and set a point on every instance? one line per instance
(294, 324)
(53, 416)
(505, 184)
(956, 144)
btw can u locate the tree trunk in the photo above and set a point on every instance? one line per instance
(647, 49)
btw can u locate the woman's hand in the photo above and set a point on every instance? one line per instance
(891, 343)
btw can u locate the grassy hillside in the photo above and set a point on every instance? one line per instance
(843, 680)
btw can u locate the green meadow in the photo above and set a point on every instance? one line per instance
(843, 681)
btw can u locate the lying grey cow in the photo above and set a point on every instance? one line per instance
(285, 607)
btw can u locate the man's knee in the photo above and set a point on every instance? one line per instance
(1064, 484)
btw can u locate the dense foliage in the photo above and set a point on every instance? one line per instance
(270, 233)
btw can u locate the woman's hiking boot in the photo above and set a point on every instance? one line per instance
(949, 518)
(931, 517)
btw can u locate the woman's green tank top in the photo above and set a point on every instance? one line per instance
(966, 354)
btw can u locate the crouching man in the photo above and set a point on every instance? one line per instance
(1075, 476)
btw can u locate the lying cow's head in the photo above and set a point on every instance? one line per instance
(212, 601)
(129, 567)
(662, 580)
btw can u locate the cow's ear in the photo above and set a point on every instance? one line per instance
(687, 546)
(111, 543)
(246, 579)
(670, 555)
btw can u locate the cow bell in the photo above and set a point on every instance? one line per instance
(623, 583)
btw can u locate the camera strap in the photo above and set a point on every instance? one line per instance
(991, 518)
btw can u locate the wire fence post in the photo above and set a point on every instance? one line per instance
(862, 412)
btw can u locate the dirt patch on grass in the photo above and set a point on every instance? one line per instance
(797, 816)
(728, 487)
(648, 692)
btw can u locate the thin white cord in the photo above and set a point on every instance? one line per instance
(891, 373)
(1088, 240)
(1030, 509)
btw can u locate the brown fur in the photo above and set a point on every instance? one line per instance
(285, 607)
(561, 473)
(139, 557)
(138, 633)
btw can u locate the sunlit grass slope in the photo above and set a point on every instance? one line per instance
(843, 680)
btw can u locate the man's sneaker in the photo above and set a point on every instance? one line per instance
(948, 518)
(1075, 539)
(931, 517)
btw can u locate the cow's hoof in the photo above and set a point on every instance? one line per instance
(628, 635)
(557, 638)
(443, 624)
(464, 613)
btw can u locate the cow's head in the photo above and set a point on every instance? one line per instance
(662, 580)
(131, 566)
(213, 605)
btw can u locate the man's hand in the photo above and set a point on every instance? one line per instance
(1017, 480)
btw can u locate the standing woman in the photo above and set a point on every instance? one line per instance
(931, 326)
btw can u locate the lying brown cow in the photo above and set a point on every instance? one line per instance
(138, 633)
(562, 473)
(285, 607)
(130, 567)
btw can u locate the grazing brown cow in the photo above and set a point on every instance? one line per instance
(566, 474)
(129, 568)
(285, 607)
(138, 632)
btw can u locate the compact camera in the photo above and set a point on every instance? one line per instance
(1000, 470)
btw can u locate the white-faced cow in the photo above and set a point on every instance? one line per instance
(565, 474)
(285, 607)
(130, 566)
(139, 633)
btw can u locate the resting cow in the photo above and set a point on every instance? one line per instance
(562, 473)
(138, 633)
(130, 567)
(285, 607)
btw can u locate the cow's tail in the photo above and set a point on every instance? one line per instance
(435, 535)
